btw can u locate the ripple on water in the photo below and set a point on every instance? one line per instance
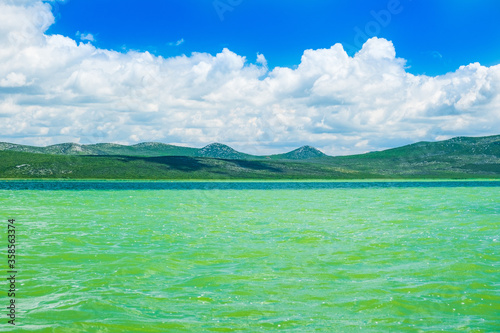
(373, 258)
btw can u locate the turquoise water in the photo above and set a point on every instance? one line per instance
(254, 256)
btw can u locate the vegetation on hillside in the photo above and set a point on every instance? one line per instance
(454, 158)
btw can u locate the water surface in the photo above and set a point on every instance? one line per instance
(255, 256)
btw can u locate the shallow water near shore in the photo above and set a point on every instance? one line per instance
(254, 256)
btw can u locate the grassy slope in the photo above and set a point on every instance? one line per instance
(152, 149)
(455, 158)
(30, 165)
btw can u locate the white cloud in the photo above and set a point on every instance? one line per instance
(177, 43)
(85, 37)
(53, 89)
(13, 80)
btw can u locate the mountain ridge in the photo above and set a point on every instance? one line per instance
(457, 158)
(460, 158)
(219, 150)
(151, 149)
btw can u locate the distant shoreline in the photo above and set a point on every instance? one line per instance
(106, 185)
(458, 158)
(394, 180)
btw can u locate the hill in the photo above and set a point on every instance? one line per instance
(217, 150)
(457, 157)
(43, 166)
(302, 153)
(460, 157)
(152, 149)
(142, 149)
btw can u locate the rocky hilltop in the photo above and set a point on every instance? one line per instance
(303, 153)
(218, 150)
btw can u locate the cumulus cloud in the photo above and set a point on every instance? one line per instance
(54, 89)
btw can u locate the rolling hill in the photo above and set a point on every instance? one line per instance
(148, 149)
(302, 153)
(461, 157)
(152, 149)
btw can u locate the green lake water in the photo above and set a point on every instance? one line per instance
(253, 257)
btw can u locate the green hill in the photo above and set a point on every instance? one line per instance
(142, 149)
(151, 149)
(458, 157)
(44, 166)
(218, 150)
(302, 153)
(455, 158)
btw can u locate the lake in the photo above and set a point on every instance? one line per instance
(111, 256)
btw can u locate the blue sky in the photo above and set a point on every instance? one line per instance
(434, 36)
(261, 76)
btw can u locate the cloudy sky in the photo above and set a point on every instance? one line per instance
(261, 76)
